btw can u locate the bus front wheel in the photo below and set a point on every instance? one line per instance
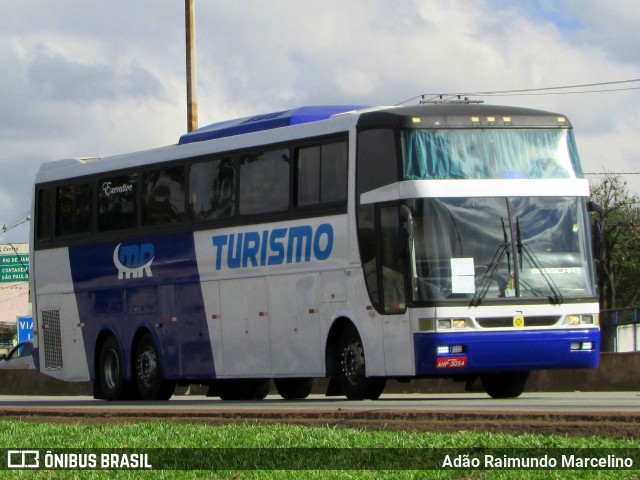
(351, 369)
(504, 384)
(148, 372)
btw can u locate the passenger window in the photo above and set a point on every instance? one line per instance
(74, 204)
(44, 223)
(117, 202)
(163, 196)
(212, 190)
(334, 173)
(308, 176)
(321, 174)
(264, 182)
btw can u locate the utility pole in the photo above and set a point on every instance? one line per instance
(192, 83)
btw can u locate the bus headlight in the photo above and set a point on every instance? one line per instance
(573, 320)
(459, 323)
(444, 324)
(452, 323)
(585, 319)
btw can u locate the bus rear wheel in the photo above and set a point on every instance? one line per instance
(148, 372)
(504, 384)
(111, 371)
(351, 369)
(294, 388)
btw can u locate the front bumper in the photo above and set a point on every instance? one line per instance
(483, 352)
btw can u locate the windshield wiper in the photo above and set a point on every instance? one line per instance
(524, 251)
(490, 274)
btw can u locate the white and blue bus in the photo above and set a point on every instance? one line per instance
(353, 243)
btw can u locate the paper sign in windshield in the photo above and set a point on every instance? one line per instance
(463, 275)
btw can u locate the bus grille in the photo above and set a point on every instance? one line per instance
(506, 322)
(52, 339)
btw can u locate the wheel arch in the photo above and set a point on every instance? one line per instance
(339, 325)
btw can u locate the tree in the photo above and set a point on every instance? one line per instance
(618, 269)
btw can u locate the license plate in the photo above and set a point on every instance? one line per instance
(451, 362)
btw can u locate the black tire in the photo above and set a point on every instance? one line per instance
(234, 389)
(148, 372)
(351, 369)
(294, 388)
(259, 389)
(504, 384)
(110, 374)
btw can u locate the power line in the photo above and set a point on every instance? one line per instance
(558, 93)
(16, 222)
(536, 91)
(564, 87)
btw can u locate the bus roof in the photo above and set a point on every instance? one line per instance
(267, 129)
(266, 121)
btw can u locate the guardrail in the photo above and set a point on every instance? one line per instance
(619, 330)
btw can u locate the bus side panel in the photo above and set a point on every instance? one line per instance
(245, 327)
(294, 320)
(213, 313)
(262, 287)
(62, 351)
(151, 283)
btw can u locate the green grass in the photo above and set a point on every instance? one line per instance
(163, 435)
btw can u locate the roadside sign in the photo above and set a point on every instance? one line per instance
(14, 264)
(25, 328)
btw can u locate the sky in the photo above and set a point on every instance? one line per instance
(95, 78)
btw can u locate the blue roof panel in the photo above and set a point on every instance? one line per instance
(266, 121)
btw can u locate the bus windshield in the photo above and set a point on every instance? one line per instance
(483, 249)
(489, 153)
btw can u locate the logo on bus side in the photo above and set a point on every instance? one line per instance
(133, 261)
(273, 247)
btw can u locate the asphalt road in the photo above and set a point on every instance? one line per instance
(605, 414)
(570, 402)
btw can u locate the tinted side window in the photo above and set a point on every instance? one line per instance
(74, 205)
(212, 189)
(308, 176)
(334, 173)
(264, 182)
(377, 160)
(376, 166)
(117, 202)
(163, 196)
(321, 174)
(44, 224)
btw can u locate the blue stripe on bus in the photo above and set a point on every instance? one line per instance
(505, 351)
(148, 283)
(268, 121)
